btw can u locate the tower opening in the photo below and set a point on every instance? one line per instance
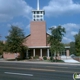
(38, 15)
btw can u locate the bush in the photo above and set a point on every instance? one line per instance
(36, 57)
(18, 59)
(55, 60)
(45, 58)
(51, 58)
(59, 61)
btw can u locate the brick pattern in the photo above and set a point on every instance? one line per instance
(27, 41)
(38, 33)
(10, 55)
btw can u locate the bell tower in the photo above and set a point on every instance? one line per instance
(38, 15)
(38, 27)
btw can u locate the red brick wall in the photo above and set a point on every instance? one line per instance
(9, 55)
(38, 33)
(27, 41)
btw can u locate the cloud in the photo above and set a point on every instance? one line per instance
(18, 24)
(60, 7)
(66, 40)
(71, 30)
(49, 32)
(74, 33)
(71, 27)
(13, 8)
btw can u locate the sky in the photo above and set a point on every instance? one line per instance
(57, 12)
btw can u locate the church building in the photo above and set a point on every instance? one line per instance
(37, 39)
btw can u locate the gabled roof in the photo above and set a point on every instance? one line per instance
(27, 36)
(47, 33)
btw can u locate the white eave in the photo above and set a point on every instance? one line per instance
(66, 47)
(39, 47)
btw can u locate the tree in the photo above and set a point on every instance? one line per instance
(55, 39)
(77, 43)
(1, 47)
(72, 48)
(14, 42)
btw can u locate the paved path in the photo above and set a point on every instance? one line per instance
(69, 59)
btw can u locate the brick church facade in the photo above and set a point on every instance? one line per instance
(37, 40)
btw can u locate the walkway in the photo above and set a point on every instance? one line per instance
(69, 59)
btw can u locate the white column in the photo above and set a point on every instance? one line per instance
(40, 52)
(33, 52)
(47, 52)
(67, 53)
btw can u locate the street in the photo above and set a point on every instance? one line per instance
(30, 71)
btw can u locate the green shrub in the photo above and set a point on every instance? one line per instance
(55, 60)
(45, 58)
(30, 57)
(59, 61)
(51, 58)
(18, 59)
(36, 57)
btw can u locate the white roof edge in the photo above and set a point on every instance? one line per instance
(44, 47)
(39, 46)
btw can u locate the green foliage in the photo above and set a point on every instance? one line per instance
(14, 40)
(36, 57)
(51, 58)
(67, 44)
(77, 43)
(59, 61)
(45, 58)
(72, 48)
(55, 39)
(1, 47)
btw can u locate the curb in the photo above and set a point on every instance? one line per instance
(39, 62)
